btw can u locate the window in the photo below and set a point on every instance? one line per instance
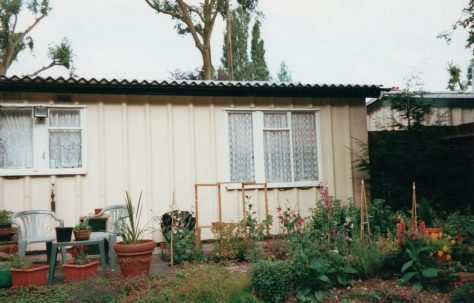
(41, 146)
(274, 147)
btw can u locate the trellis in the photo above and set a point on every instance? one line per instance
(218, 186)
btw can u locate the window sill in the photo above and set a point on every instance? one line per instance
(48, 172)
(303, 184)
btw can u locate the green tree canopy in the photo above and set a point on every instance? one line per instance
(13, 40)
(284, 74)
(257, 50)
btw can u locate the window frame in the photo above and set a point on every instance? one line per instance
(41, 144)
(258, 146)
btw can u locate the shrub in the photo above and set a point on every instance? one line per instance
(367, 259)
(272, 280)
(464, 293)
(201, 283)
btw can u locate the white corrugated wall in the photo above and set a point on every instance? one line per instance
(165, 144)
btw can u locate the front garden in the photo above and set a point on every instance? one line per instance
(326, 257)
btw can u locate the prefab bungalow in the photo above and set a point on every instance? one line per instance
(89, 141)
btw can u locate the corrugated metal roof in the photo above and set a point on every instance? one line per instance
(186, 87)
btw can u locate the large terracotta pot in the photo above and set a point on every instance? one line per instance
(37, 274)
(74, 271)
(135, 259)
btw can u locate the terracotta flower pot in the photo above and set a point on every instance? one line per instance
(135, 259)
(74, 271)
(432, 230)
(82, 235)
(37, 274)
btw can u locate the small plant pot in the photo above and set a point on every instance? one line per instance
(5, 277)
(73, 272)
(97, 211)
(63, 234)
(5, 225)
(37, 274)
(6, 233)
(433, 230)
(82, 235)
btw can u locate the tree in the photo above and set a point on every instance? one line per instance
(257, 51)
(413, 149)
(466, 22)
(284, 74)
(195, 19)
(13, 41)
(239, 47)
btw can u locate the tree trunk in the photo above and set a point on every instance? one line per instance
(230, 64)
(3, 69)
(207, 63)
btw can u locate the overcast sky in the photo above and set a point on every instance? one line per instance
(322, 41)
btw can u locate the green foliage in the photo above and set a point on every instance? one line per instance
(340, 224)
(381, 218)
(12, 41)
(367, 259)
(62, 54)
(272, 281)
(82, 226)
(239, 241)
(39, 294)
(257, 51)
(322, 272)
(464, 293)
(284, 74)
(130, 228)
(201, 283)
(410, 151)
(229, 242)
(420, 270)
(19, 262)
(239, 36)
(455, 80)
(456, 223)
(81, 256)
(5, 216)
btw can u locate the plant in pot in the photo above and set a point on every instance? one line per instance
(134, 253)
(82, 231)
(6, 230)
(81, 268)
(25, 273)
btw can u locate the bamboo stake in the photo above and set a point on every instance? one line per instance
(244, 218)
(196, 206)
(172, 230)
(362, 213)
(414, 216)
(219, 200)
(266, 206)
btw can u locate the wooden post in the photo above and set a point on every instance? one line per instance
(362, 212)
(266, 206)
(414, 217)
(196, 206)
(244, 211)
(219, 201)
(53, 203)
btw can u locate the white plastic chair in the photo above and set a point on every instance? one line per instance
(36, 226)
(116, 215)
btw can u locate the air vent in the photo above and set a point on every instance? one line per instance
(63, 98)
(11, 96)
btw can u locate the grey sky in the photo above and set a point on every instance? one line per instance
(331, 41)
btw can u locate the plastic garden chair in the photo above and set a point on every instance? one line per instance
(116, 215)
(36, 226)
